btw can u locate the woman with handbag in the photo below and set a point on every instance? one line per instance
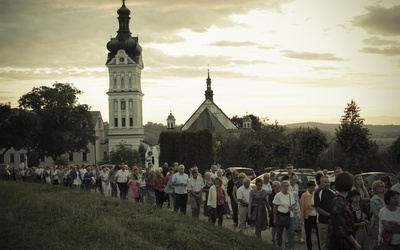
(216, 200)
(257, 213)
(283, 214)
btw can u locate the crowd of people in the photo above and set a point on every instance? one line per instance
(341, 211)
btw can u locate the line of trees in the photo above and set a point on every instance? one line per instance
(273, 145)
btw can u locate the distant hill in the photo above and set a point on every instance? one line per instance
(384, 135)
(152, 132)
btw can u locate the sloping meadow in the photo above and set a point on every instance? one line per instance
(38, 216)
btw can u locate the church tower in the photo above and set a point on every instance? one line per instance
(124, 63)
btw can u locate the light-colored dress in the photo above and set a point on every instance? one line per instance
(77, 180)
(298, 225)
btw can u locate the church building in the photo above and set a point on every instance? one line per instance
(209, 116)
(125, 64)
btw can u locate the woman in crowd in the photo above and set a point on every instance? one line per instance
(142, 186)
(309, 213)
(158, 184)
(225, 186)
(208, 182)
(170, 189)
(377, 202)
(151, 196)
(284, 204)
(75, 177)
(276, 188)
(360, 187)
(133, 184)
(294, 189)
(361, 218)
(89, 180)
(389, 221)
(272, 176)
(257, 213)
(216, 200)
(341, 229)
(267, 184)
(104, 179)
(388, 183)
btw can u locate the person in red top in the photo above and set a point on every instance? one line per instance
(158, 183)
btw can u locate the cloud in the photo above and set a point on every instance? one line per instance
(380, 20)
(232, 43)
(388, 51)
(375, 41)
(311, 56)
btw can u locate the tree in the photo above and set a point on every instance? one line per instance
(16, 128)
(394, 153)
(256, 155)
(309, 144)
(125, 154)
(352, 138)
(257, 123)
(63, 124)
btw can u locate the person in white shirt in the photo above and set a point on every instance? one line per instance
(213, 172)
(389, 221)
(179, 182)
(105, 182)
(195, 189)
(243, 198)
(121, 178)
(284, 204)
(396, 187)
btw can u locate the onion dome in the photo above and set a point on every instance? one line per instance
(124, 40)
(123, 11)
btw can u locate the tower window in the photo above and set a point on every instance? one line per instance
(12, 160)
(123, 122)
(130, 122)
(115, 122)
(71, 157)
(121, 59)
(123, 105)
(115, 105)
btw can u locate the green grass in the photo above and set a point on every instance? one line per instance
(38, 216)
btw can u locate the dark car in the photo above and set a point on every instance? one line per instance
(304, 177)
(248, 171)
(370, 177)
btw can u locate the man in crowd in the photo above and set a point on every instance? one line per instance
(121, 178)
(322, 202)
(195, 187)
(179, 182)
(231, 183)
(336, 171)
(290, 171)
(213, 172)
(243, 198)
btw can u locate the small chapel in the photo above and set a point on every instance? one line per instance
(209, 116)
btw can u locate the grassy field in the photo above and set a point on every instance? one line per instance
(38, 216)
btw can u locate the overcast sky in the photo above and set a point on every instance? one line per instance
(288, 60)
